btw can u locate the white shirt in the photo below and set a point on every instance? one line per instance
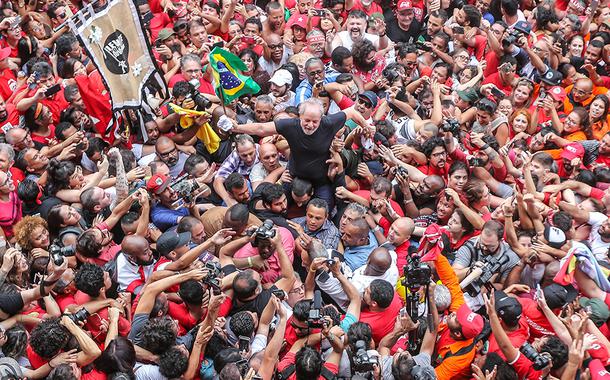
(598, 246)
(346, 39)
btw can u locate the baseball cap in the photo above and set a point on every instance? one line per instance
(558, 295)
(301, 22)
(164, 34)
(10, 367)
(552, 77)
(170, 240)
(371, 97)
(468, 95)
(572, 151)
(523, 26)
(5, 52)
(404, 4)
(555, 237)
(471, 323)
(557, 93)
(599, 310)
(508, 308)
(158, 183)
(281, 78)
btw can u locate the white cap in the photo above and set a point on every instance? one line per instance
(281, 78)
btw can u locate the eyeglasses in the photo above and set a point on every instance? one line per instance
(25, 138)
(62, 16)
(9, 179)
(365, 103)
(314, 73)
(167, 154)
(461, 57)
(300, 289)
(296, 327)
(276, 47)
(577, 90)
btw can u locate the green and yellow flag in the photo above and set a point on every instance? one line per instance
(229, 81)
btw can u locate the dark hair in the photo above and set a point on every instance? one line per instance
(63, 126)
(458, 165)
(340, 54)
(239, 213)
(467, 227)
(16, 342)
(191, 292)
(606, 102)
(486, 105)
(271, 193)
(382, 185)
(319, 203)
(192, 161)
(181, 88)
(401, 368)
(48, 338)
(118, 356)
(431, 144)
(308, 364)
(558, 350)
(473, 16)
(158, 335)
(256, 21)
(87, 245)
(360, 51)
(242, 323)
(59, 175)
(173, 363)
(234, 181)
(359, 331)
(89, 279)
(187, 223)
(96, 144)
(382, 292)
(226, 356)
(64, 44)
(504, 370)
(244, 285)
(586, 176)
(68, 68)
(300, 311)
(216, 344)
(28, 190)
(510, 7)
(562, 220)
(62, 372)
(495, 227)
(301, 187)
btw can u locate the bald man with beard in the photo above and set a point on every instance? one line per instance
(134, 264)
(380, 265)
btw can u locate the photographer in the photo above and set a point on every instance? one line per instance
(256, 250)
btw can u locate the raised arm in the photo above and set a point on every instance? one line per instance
(257, 129)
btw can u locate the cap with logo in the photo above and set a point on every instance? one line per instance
(471, 323)
(523, 26)
(552, 77)
(158, 183)
(403, 5)
(170, 240)
(557, 93)
(555, 237)
(371, 97)
(558, 295)
(599, 312)
(572, 151)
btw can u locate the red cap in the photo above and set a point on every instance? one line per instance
(5, 53)
(572, 151)
(404, 4)
(471, 323)
(158, 183)
(557, 93)
(301, 21)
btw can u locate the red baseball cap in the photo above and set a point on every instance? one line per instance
(572, 151)
(471, 323)
(158, 183)
(557, 93)
(404, 4)
(5, 53)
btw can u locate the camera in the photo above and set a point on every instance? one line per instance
(391, 75)
(417, 274)
(451, 125)
(201, 102)
(315, 319)
(362, 361)
(57, 252)
(185, 188)
(402, 172)
(538, 360)
(476, 162)
(79, 316)
(511, 38)
(422, 46)
(473, 283)
(213, 277)
(264, 232)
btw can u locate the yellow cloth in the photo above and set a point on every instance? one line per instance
(205, 133)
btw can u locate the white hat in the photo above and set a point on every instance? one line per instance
(281, 78)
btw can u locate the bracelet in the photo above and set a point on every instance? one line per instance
(250, 261)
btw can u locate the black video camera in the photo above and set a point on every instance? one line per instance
(201, 102)
(490, 267)
(213, 277)
(511, 38)
(422, 46)
(417, 274)
(538, 360)
(57, 252)
(362, 361)
(315, 318)
(264, 232)
(185, 188)
(451, 125)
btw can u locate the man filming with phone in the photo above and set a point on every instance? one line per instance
(44, 88)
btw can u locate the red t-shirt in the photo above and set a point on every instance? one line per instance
(205, 87)
(8, 83)
(180, 312)
(56, 103)
(381, 324)
(516, 337)
(45, 140)
(290, 358)
(495, 79)
(524, 368)
(12, 118)
(373, 8)
(539, 325)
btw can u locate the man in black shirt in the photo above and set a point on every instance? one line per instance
(403, 27)
(309, 137)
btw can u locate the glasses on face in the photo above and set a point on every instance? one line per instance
(297, 327)
(580, 91)
(276, 47)
(365, 103)
(315, 73)
(25, 138)
(461, 57)
(300, 289)
(167, 154)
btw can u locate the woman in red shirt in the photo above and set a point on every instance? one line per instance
(39, 119)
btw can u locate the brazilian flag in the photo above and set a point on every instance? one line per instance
(229, 81)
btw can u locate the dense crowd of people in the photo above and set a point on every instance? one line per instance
(418, 190)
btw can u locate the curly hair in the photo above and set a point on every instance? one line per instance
(23, 230)
(89, 279)
(361, 50)
(173, 363)
(158, 334)
(48, 338)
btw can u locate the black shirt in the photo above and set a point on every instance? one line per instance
(308, 153)
(397, 34)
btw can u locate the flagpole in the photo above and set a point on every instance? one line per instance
(222, 100)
